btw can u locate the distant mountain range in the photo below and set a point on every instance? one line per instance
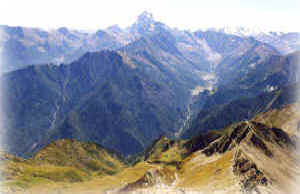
(22, 46)
(285, 42)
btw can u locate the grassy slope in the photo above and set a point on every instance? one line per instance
(61, 162)
(95, 185)
(208, 174)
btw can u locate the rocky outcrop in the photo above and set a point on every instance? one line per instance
(250, 176)
(254, 134)
(153, 177)
(256, 146)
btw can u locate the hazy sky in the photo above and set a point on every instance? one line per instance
(277, 15)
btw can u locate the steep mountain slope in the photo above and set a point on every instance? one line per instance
(225, 44)
(270, 84)
(286, 117)
(222, 115)
(189, 57)
(160, 57)
(246, 68)
(258, 62)
(103, 97)
(248, 154)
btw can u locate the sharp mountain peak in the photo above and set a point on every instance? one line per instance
(146, 16)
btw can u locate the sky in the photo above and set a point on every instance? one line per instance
(272, 15)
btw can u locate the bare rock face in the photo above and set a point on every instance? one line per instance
(250, 175)
(153, 177)
(254, 134)
(149, 179)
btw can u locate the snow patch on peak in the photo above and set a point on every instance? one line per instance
(245, 31)
(270, 88)
(145, 17)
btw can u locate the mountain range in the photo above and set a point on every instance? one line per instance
(22, 46)
(126, 98)
(149, 106)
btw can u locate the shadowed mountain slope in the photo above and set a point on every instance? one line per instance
(223, 115)
(99, 98)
